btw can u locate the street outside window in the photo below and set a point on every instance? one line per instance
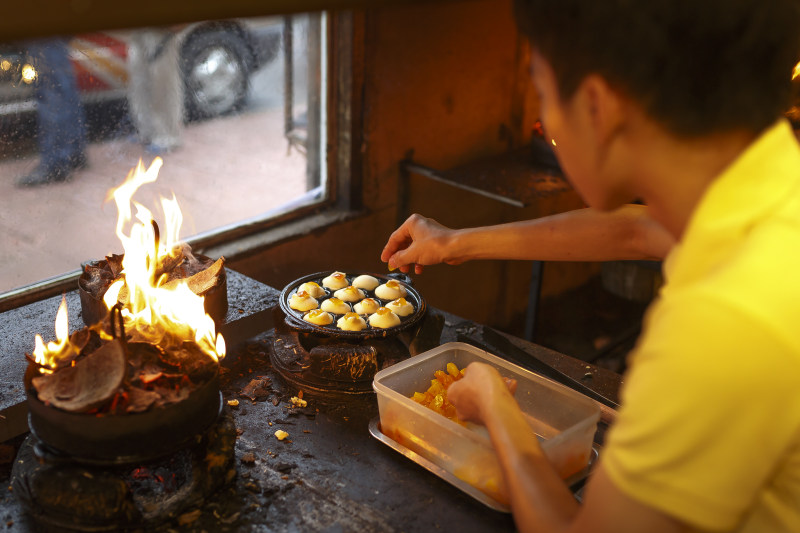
(233, 108)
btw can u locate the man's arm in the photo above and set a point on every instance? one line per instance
(579, 235)
(540, 501)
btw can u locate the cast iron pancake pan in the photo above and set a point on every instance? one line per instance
(295, 318)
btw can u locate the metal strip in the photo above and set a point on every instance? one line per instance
(430, 173)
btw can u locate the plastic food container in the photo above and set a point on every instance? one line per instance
(564, 420)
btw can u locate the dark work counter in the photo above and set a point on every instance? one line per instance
(329, 474)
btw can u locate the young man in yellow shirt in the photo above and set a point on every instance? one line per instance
(678, 103)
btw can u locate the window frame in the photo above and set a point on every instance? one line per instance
(341, 51)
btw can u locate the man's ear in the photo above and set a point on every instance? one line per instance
(604, 107)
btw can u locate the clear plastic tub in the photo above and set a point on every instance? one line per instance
(564, 420)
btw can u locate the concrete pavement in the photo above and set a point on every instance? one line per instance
(228, 169)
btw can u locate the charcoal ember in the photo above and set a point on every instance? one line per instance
(177, 356)
(149, 374)
(189, 359)
(140, 400)
(257, 389)
(144, 362)
(170, 395)
(88, 384)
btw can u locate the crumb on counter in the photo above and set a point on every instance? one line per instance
(281, 434)
(298, 402)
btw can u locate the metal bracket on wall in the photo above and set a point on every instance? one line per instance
(407, 167)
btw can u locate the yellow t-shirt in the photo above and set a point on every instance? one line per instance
(709, 431)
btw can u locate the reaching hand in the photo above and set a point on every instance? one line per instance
(475, 393)
(419, 241)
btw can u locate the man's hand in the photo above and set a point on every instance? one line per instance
(419, 241)
(474, 395)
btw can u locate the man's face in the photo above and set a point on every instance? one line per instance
(570, 125)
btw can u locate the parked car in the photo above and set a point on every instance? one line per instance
(216, 61)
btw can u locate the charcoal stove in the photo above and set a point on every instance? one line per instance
(68, 492)
(326, 362)
(101, 473)
(110, 466)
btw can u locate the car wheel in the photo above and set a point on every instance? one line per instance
(215, 73)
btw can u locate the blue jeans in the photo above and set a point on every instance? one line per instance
(62, 124)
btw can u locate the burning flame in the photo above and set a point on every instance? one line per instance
(796, 71)
(159, 314)
(61, 349)
(154, 313)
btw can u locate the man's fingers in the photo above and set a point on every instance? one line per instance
(511, 384)
(398, 260)
(398, 240)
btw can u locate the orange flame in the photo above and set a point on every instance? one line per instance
(159, 315)
(166, 316)
(61, 349)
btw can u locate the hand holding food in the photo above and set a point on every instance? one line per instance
(419, 241)
(473, 395)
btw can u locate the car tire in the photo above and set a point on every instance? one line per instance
(216, 74)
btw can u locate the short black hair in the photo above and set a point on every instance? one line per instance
(695, 66)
